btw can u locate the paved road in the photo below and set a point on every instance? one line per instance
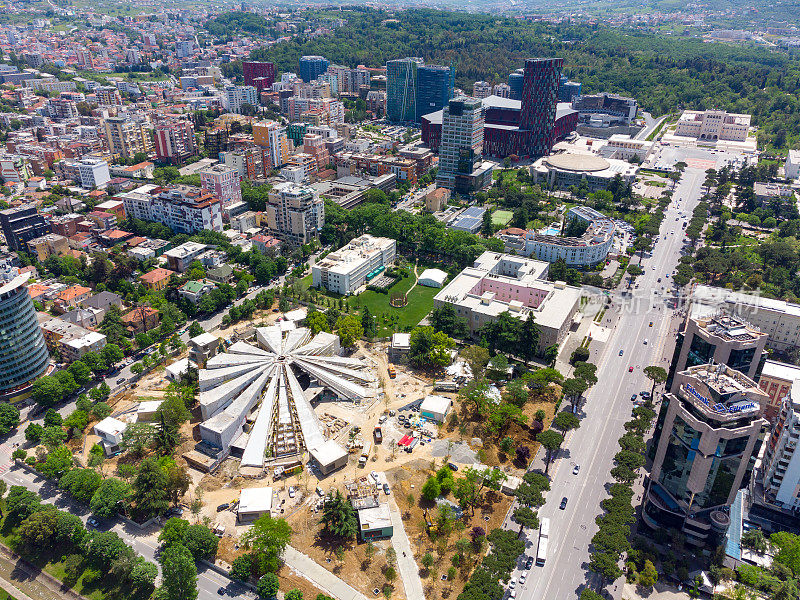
(650, 123)
(606, 409)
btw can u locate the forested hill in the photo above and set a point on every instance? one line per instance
(663, 73)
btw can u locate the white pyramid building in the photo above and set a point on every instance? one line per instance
(261, 379)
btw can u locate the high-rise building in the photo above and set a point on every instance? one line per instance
(272, 139)
(222, 182)
(401, 89)
(707, 433)
(567, 90)
(481, 89)
(127, 137)
(312, 67)
(779, 473)
(184, 209)
(434, 88)
(238, 95)
(294, 214)
(264, 72)
(215, 141)
(23, 350)
(107, 95)
(461, 149)
(502, 90)
(22, 224)
(539, 99)
(516, 80)
(93, 172)
(174, 140)
(719, 338)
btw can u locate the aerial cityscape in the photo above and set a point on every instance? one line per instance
(470, 300)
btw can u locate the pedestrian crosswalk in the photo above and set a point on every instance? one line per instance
(5, 457)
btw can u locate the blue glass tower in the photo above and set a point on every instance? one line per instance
(312, 67)
(434, 88)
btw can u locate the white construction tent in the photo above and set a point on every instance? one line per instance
(259, 383)
(434, 278)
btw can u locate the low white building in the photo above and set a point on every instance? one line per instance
(435, 408)
(329, 456)
(574, 168)
(110, 431)
(713, 125)
(93, 173)
(498, 283)
(254, 503)
(353, 265)
(433, 278)
(589, 249)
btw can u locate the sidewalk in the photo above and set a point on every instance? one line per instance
(409, 571)
(320, 576)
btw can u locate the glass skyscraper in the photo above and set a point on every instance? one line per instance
(539, 102)
(23, 352)
(434, 88)
(312, 67)
(401, 89)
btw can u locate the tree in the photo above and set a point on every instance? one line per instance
(58, 462)
(143, 575)
(109, 497)
(526, 517)
(242, 567)
(34, 432)
(431, 489)
(648, 576)
(317, 321)
(476, 358)
(294, 595)
(605, 565)
(368, 323)
(338, 517)
(46, 391)
(268, 586)
(573, 389)
(20, 504)
(201, 542)
(787, 591)
(268, 538)
(179, 574)
(350, 330)
(580, 354)
(566, 421)
(138, 436)
(551, 441)
(754, 539)
(54, 436)
(81, 483)
(430, 348)
(102, 548)
(655, 374)
(173, 532)
(446, 320)
(195, 329)
(149, 495)
(178, 482)
(9, 418)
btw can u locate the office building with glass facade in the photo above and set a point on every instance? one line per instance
(719, 338)
(539, 100)
(23, 351)
(434, 88)
(707, 436)
(401, 89)
(312, 67)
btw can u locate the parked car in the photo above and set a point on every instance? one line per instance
(386, 489)
(92, 522)
(576, 469)
(529, 562)
(223, 506)
(452, 466)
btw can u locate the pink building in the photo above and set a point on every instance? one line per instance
(223, 183)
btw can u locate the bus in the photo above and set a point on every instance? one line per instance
(544, 534)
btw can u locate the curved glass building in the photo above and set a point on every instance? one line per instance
(23, 352)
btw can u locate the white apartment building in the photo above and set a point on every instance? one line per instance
(589, 249)
(93, 173)
(777, 318)
(294, 214)
(50, 84)
(713, 125)
(623, 147)
(223, 183)
(792, 165)
(237, 95)
(346, 270)
(184, 209)
(780, 468)
(498, 283)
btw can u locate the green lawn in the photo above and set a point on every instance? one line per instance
(420, 303)
(501, 217)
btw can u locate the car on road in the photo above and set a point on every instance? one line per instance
(630, 369)
(120, 380)
(563, 504)
(576, 469)
(621, 352)
(645, 394)
(529, 562)
(645, 341)
(386, 489)
(223, 506)
(651, 324)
